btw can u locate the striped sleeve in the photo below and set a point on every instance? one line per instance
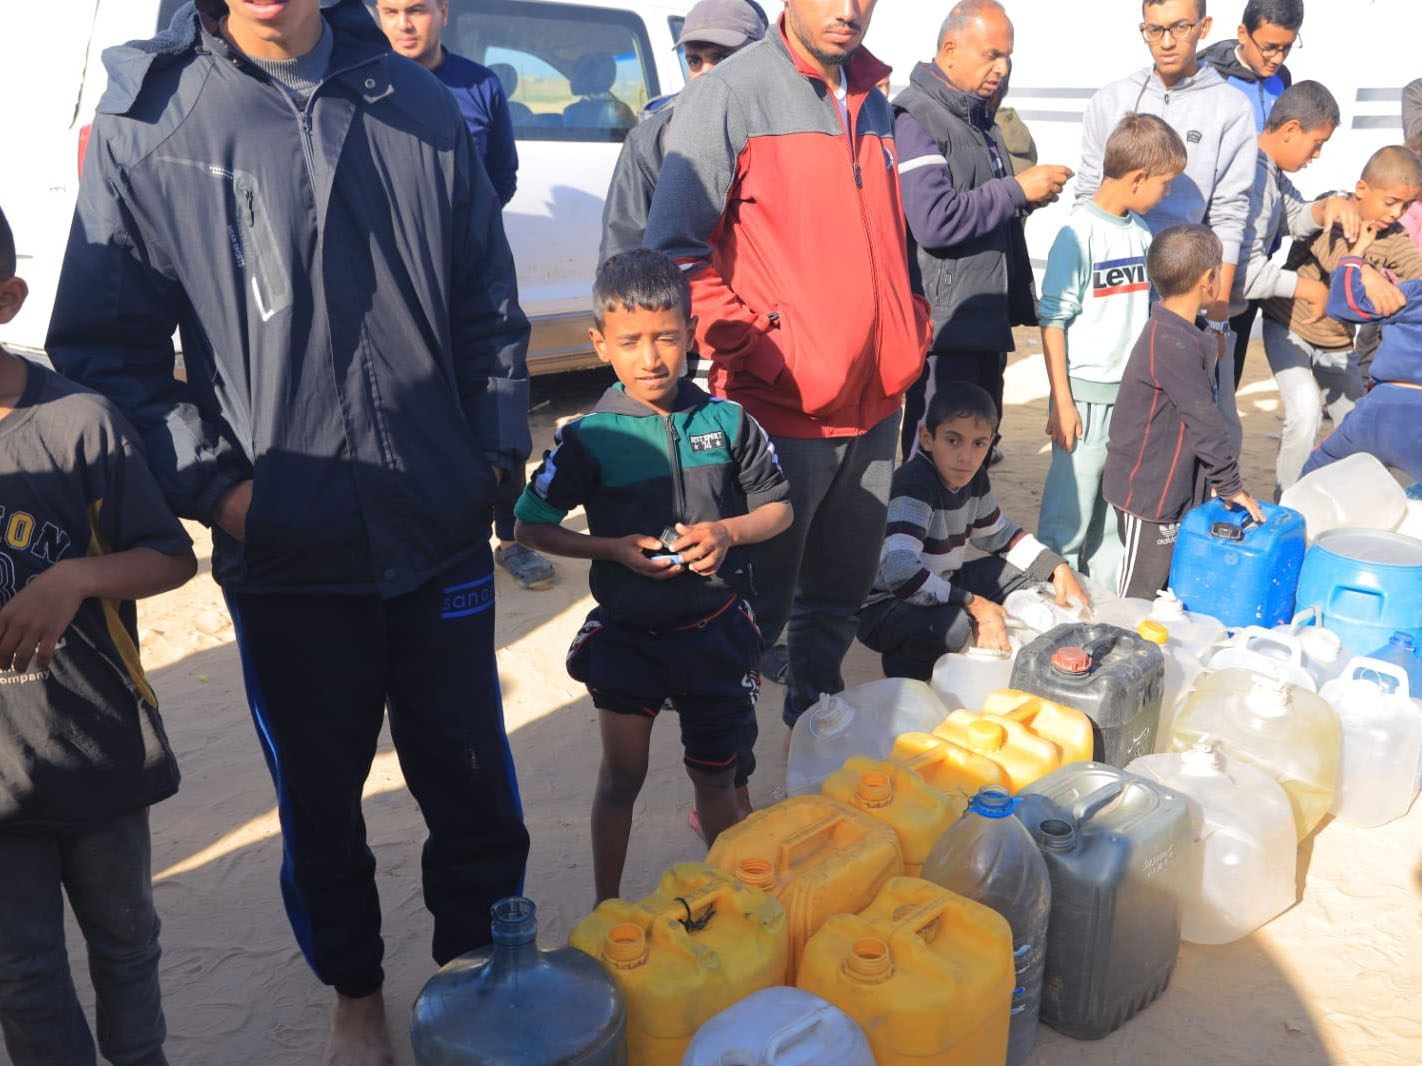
(995, 533)
(902, 568)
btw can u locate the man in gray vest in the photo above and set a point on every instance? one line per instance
(968, 254)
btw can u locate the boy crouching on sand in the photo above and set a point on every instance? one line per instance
(84, 531)
(1169, 441)
(926, 601)
(674, 484)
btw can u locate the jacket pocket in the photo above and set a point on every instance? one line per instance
(269, 282)
(773, 355)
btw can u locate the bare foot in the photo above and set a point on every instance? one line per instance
(359, 1035)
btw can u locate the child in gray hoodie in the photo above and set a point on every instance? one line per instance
(1217, 125)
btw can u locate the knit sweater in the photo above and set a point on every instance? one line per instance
(930, 527)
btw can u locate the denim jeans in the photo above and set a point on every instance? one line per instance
(1075, 520)
(1302, 371)
(105, 871)
(811, 579)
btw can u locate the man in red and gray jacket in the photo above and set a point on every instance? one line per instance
(780, 196)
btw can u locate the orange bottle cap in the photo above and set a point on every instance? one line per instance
(984, 735)
(1071, 660)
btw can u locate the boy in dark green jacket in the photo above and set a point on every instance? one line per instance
(674, 484)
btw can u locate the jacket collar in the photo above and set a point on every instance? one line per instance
(862, 72)
(357, 39)
(615, 401)
(930, 80)
(1224, 57)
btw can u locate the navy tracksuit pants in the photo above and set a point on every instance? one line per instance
(321, 672)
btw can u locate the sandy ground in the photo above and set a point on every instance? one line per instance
(1338, 979)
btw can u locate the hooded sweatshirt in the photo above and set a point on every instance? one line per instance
(1217, 125)
(1261, 93)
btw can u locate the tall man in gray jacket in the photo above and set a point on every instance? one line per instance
(1217, 125)
(310, 211)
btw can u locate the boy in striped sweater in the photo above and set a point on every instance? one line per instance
(926, 599)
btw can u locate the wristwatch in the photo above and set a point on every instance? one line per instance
(1216, 327)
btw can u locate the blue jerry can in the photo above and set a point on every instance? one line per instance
(1240, 572)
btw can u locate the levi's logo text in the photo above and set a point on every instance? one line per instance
(1118, 276)
(707, 442)
(472, 597)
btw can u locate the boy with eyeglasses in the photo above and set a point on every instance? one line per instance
(1254, 63)
(1217, 125)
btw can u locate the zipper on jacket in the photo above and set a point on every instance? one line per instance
(847, 119)
(678, 480)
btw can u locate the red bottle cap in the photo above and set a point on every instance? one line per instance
(1071, 660)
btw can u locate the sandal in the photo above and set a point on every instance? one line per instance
(526, 566)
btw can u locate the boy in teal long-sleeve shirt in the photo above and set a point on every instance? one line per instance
(1095, 303)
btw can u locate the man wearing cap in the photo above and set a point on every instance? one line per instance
(714, 31)
(780, 198)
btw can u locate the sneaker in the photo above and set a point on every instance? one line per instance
(526, 566)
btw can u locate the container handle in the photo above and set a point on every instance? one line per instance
(1099, 648)
(1091, 804)
(1254, 636)
(785, 1038)
(1309, 616)
(1228, 530)
(1363, 667)
(798, 844)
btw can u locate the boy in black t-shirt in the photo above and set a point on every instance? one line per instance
(84, 531)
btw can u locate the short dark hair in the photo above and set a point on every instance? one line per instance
(1143, 142)
(7, 248)
(1287, 14)
(1200, 11)
(1393, 166)
(1180, 256)
(1309, 103)
(960, 399)
(640, 280)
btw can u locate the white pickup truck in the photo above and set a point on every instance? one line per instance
(1364, 52)
(569, 131)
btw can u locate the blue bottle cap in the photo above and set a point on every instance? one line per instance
(993, 802)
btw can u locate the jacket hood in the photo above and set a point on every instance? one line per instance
(128, 64)
(1148, 83)
(1223, 56)
(929, 79)
(615, 401)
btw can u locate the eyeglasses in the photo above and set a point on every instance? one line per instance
(1269, 51)
(1154, 34)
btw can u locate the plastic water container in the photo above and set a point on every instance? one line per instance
(1244, 856)
(893, 794)
(817, 856)
(1023, 756)
(1411, 524)
(956, 771)
(1367, 584)
(863, 720)
(1354, 493)
(963, 679)
(1324, 655)
(1181, 669)
(1382, 742)
(1234, 570)
(1401, 651)
(512, 1004)
(926, 973)
(1066, 727)
(780, 1027)
(1115, 678)
(699, 943)
(1287, 731)
(989, 856)
(1195, 633)
(1116, 848)
(1035, 608)
(1269, 652)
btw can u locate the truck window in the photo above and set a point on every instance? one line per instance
(571, 73)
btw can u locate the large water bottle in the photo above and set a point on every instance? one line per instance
(1401, 651)
(990, 856)
(512, 1004)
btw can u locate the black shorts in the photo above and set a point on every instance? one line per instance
(709, 670)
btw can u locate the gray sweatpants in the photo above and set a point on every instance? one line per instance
(106, 873)
(811, 580)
